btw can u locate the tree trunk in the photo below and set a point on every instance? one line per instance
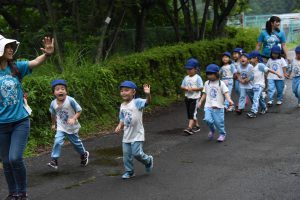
(196, 22)
(76, 19)
(55, 35)
(204, 18)
(104, 28)
(187, 20)
(140, 29)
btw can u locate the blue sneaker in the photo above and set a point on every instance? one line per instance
(128, 175)
(149, 166)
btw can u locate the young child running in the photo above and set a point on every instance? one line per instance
(131, 118)
(65, 112)
(192, 84)
(295, 73)
(213, 95)
(245, 75)
(278, 64)
(227, 72)
(255, 94)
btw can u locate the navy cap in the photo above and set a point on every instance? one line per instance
(297, 50)
(238, 50)
(212, 68)
(254, 54)
(276, 49)
(227, 54)
(128, 84)
(246, 55)
(58, 82)
(191, 63)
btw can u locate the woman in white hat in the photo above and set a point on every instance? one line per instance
(14, 120)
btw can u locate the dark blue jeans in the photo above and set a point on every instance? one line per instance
(13, 140)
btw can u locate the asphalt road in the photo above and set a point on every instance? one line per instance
(259, 161)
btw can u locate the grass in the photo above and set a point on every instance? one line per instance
(294, 44)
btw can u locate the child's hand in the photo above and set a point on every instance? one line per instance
(118, 129)
(146, 88)
(286, 76)
(71, 121)
(231, 103)
(53, 128)
(279, 76)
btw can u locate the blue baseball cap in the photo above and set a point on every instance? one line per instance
(246, 55)
(191, 63)
(212, 68)
(227, 54)
(256, 54)
(128, 84)
(58, 82)
(238, 50)
(297, 50)
(276, 49)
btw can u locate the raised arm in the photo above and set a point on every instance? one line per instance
(48, 50)
(147, 92)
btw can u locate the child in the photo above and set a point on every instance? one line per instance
(279, 65)
(65, 112)
(192, 84)
(259, 71)
(227, 72)
(295, 73)
(244, 75)
(236, 55)
(214, 92)
(131, 114)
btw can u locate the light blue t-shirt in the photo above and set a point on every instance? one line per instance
(246, 72)
(192, 82)
(269, 41)
(11, 94)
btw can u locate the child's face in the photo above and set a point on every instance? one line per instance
(298, 56)
(275, 55)
(60, 92)
(127, 94)
(211, 76)
(253, 61)
(235, 56)
(244, 60)
(225, 59)
(191, 72)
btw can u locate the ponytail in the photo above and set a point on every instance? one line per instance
(14, 70)
(269, 25)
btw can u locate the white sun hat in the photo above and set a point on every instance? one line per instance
(4, 41)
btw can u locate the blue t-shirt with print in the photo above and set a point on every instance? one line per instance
(269, 41)
(11, 94)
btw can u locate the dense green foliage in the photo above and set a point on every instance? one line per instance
(95, 87)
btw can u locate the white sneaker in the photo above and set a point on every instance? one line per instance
(221, 138)
(264, 95)
(279, 102)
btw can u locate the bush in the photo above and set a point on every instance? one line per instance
(95, 87)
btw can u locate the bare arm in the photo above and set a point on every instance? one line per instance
(258, 46)
(227, 96)
(203, 97)
(53, 124)
(285, 50)
(119, 127)
(72, 120)
(147, 92)
(48, 50)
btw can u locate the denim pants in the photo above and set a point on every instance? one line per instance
(214, 117)
(242, 98)
(13, 140)
(256, 98)
(274, 85)
(237, 87)
(296, 87)
(229, 84)
(134, 150)
(59, 141)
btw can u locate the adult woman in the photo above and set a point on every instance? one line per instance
(271, 36)
(14, 120)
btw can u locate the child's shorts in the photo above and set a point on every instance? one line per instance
(191, 108)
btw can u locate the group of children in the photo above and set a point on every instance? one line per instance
(245, 73)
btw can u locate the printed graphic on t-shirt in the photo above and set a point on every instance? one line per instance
(244, 75)
(275, 66)
(9, 91)
(213, 93)
(296, 71)
(63, 115)
(271, 41)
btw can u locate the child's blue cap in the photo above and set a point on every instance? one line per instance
(256, 54)
(246, 55)
(212, 68)
(297, 50)
(191, 63)
(58, 82)
(238, 50)
(227, 54)
(128, 84)
(276, 49)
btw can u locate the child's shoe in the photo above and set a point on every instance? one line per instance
(85, 159)
(128, 175)
(230, 109)
(149, 166)
(23, 196)
(221, 138)
(210, 135)
(279, 102)
(239, 111)
(53, 164)
(12, 197)
(251, 115)
(264, 111)
(196, 129)
(270, 103)
(188, 131)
